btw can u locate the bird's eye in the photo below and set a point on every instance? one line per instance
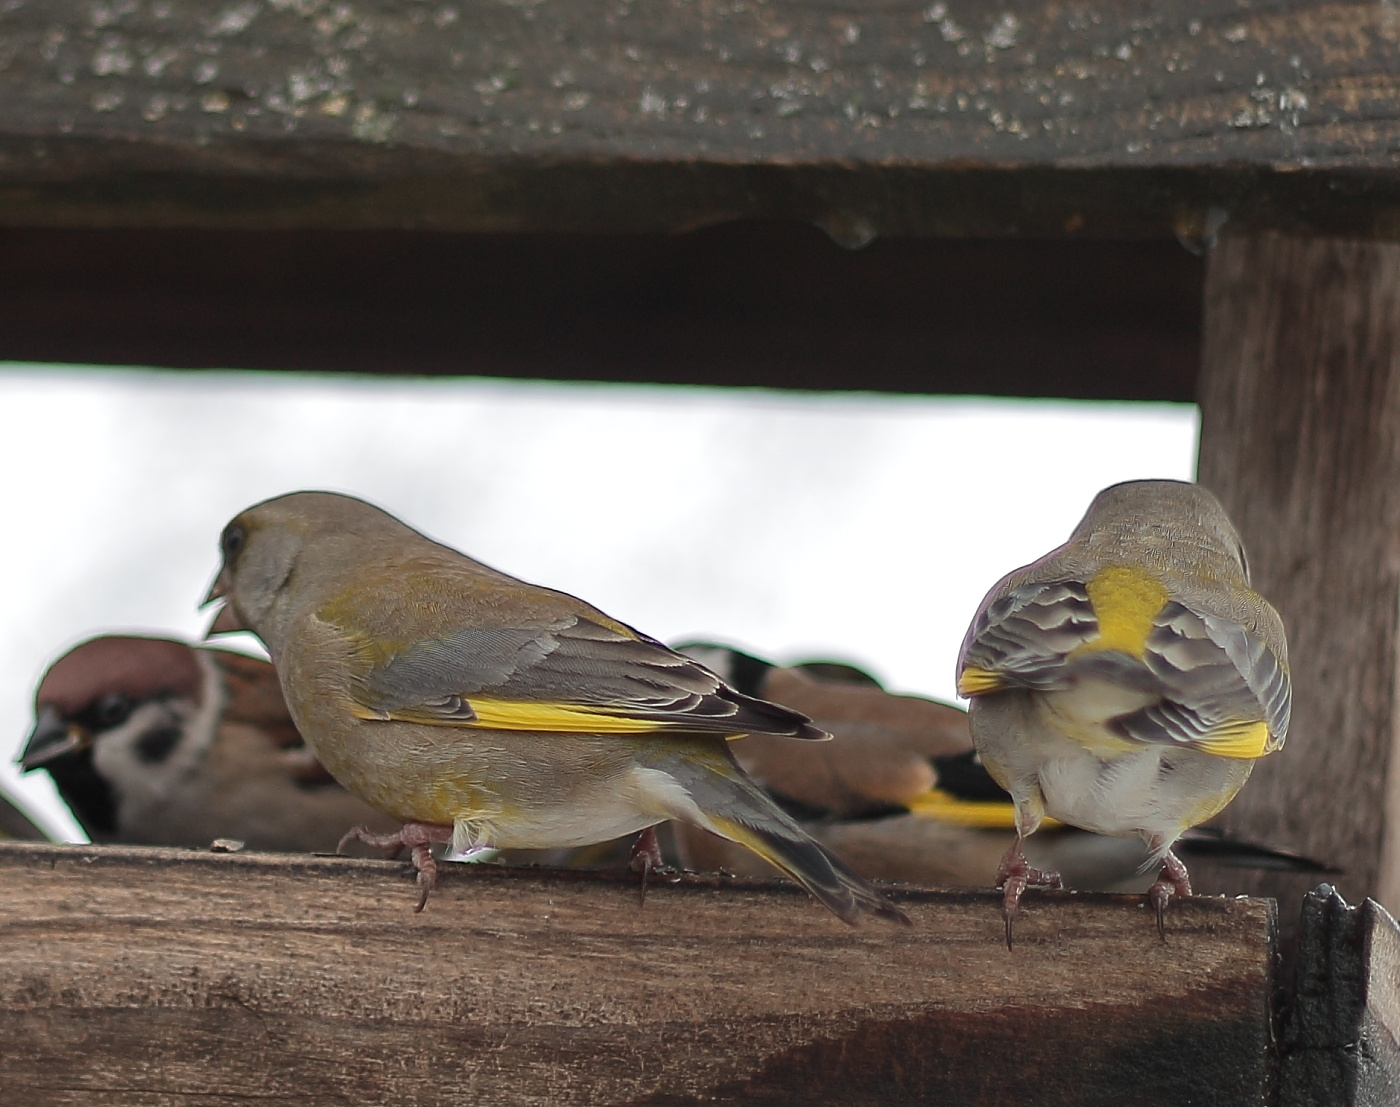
(112, 710)
(232, 542)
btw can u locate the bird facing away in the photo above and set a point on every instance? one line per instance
(491, 713)
(1127, 681)
(152, 741)
(900, 793)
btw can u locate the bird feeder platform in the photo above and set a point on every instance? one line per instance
(160, 976)
(501, 189)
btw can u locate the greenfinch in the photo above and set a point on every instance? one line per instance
(493, 714)
(900, 793)
(1126, 682)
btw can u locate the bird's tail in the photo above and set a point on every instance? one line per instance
(725, 801)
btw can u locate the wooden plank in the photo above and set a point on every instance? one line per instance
(771, 304)
(891, 117)
(1340, 1034)
(1300, 437)
(145, 976)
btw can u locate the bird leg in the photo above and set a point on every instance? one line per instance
(418, 837)
(1014, 876)
(646, 855)
(1174, 880)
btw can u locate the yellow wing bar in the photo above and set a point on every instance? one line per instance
(1244, 740)
(547, 718)
(977, 682)
(944, 807)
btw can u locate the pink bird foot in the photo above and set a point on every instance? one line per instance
(646, 857)
(1173, 881)
(418, 837)
(1014, 876)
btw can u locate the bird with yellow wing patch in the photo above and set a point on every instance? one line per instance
(493, 714)
(1127, 682)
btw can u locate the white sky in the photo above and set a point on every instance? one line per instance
(795, 525)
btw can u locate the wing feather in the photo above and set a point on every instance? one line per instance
(574, 675)
(1022, 639)
(1220, 688)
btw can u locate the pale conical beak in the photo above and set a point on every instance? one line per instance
(226, 621)
(52, 737)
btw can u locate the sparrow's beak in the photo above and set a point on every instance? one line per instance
(226, 621)
(52, 737)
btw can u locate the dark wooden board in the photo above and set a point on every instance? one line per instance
(770, 304)
(145, 976)
(890, 117)
(1340, 1032)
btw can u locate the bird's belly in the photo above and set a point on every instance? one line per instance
(560, 827)
(1152, 790)
(508, 790)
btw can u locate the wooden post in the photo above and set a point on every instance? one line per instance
(1300, 438)
(1339, 1035)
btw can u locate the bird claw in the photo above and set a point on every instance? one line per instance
(417, 837)
(646, 858)
(1014, 875)
(1173, 881)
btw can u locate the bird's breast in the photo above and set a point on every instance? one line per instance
(1152, 790)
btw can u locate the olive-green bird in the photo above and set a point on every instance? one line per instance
(492, 713)
(1126, 682)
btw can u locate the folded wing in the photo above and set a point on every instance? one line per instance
(1220, 688)
(571, 676)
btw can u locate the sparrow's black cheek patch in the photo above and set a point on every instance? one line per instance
(156, 745)
(88, 795)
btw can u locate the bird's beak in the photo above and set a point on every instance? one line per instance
(226, 621)
(52, 737)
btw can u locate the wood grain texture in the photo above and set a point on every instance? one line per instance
(144, 976)
(1339, 1037)
(1300, 437)
(888, 117)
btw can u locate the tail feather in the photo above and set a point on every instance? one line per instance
(725, 801)
(822, 873)
(1204, 841)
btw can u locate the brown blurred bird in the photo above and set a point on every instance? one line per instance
(491, 713)
(152, 741)
(901, 794)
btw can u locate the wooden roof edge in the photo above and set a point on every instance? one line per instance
(99, 186)
(902, 117)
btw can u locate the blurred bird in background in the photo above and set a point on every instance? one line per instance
(1127, 681)
(153, 741)
(490, 713)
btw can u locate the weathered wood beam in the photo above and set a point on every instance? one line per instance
(161, 976)
(1300, 437)
(1340, 1028)
(895, 117)
(769, 304)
